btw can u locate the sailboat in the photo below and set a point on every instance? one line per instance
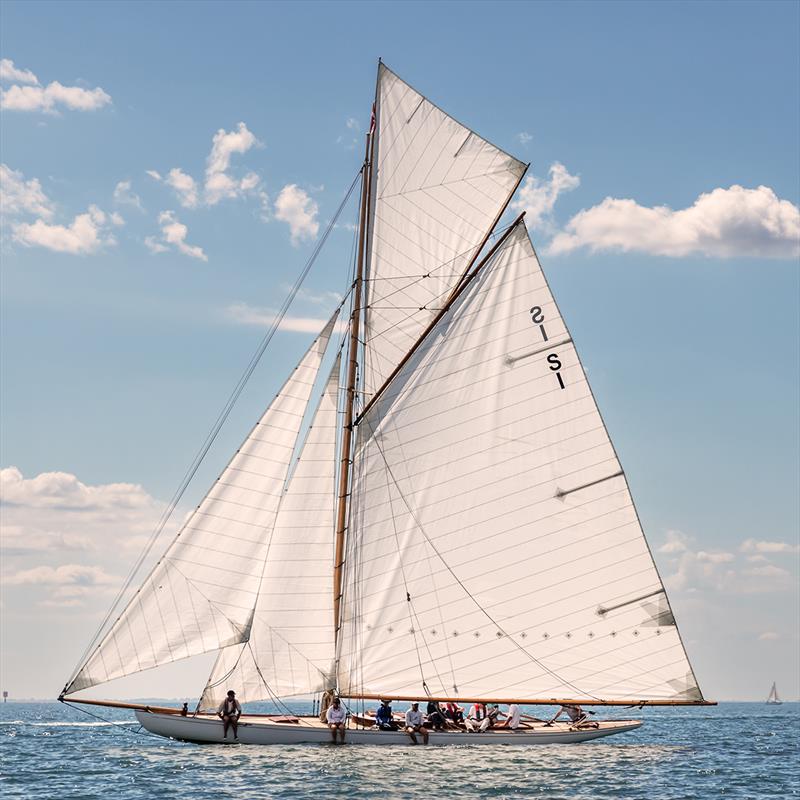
(435, 513)
(772, 697)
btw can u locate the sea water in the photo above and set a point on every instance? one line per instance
(734, 750)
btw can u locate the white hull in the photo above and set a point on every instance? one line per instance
(261, 730)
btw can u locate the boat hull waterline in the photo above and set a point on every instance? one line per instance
(208, 730)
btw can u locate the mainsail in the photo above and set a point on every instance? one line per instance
(202, 593)
(437, 190)
(290, 650)
(494, 549)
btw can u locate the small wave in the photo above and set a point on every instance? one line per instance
(65, 724)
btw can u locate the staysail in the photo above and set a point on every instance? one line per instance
(437, 190)
(494, 549)
(201, 594)
(290, 650)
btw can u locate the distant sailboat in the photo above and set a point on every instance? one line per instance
(482, 544)
(772, 698)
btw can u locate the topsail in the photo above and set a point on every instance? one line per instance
(438, 188)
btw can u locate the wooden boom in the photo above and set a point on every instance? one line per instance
(552, 701)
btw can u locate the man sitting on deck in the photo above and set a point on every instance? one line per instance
(435, 716)
(229, 712)
(512, 717)
(414, 720)
(577, 716)
(335, 717)
(476, 718)
(454, 713)
(383, 717)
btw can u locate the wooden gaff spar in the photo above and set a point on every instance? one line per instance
(437, 514)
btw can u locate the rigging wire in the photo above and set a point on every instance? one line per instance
(215, 429)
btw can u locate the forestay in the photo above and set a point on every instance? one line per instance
(291, 650)
(201, 594)
(437, 189)
(494, 549)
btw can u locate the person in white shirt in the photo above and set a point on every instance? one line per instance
(414, 720)
(476, 717)
(335, 716)
(229, 712)
(512, 717)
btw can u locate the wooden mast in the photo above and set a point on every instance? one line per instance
(350, 396)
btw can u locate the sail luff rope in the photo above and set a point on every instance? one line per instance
(211, 437)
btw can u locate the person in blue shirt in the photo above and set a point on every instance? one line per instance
(383, 717)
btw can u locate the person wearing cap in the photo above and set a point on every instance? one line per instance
(414, 720)
(335, 717)
(383, 717)
(511, 717)
(229, 712)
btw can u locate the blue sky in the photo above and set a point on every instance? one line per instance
(116, 358)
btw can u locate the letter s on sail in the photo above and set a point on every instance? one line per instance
(554, 362)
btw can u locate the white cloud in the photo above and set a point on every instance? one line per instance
(52, 97)
(755, 546)
(327, 299)
(723, 223)
(54, 512)
(676, 542)
(524, 138)
(174, 233)
(767, 571)
(11, 74)
(154, 246)
(19, 539)
(225, 144)
(768, 636)
(67, 574)
(294, 207)
(352, 124)
(218, 184)
(125, 196)
(63, 490)
(69, 585)
(184, 185)
(694, 570)
(243, 314)
(87, 233)
(18, 196)
(538, 197)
